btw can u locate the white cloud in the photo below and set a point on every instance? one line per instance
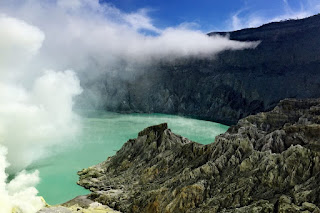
(77, 4)
(140, 20)
(69, 4)
(245, 19)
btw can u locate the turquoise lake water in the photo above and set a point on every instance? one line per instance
(103, 134)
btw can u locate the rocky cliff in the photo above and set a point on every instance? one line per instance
(269, 162)
(233, 84)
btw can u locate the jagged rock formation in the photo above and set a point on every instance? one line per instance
(269, 162)
(230, 86)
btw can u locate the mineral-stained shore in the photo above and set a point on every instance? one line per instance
(269, 162)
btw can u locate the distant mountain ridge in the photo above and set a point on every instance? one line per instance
(234, 84)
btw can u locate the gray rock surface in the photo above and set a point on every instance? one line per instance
(80, 204)
(268, 162)
(58, 209)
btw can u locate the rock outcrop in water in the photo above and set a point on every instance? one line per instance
(230, 86)
(269, 162)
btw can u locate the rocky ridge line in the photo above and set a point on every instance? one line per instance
(268, 162)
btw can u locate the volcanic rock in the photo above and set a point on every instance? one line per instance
(269, 162)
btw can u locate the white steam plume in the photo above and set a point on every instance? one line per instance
(31, 121)
(83, 35)
(99, 41)
(34, 115)
(18, 44)
(92, 37)
(19, 195)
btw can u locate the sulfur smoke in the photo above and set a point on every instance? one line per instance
(95, 40)
(19, 195)
(39, 37)
(99, 41)
(33, 116)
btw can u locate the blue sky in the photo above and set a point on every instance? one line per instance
(215, 15)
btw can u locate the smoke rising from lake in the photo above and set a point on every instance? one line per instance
(48, 47)
(91, 38)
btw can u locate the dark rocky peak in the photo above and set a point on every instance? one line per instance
(156, 134)
(268, 162)
(154, 130)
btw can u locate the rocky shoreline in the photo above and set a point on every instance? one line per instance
(268, 162)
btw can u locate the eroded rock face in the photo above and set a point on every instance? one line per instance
(268, 162)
